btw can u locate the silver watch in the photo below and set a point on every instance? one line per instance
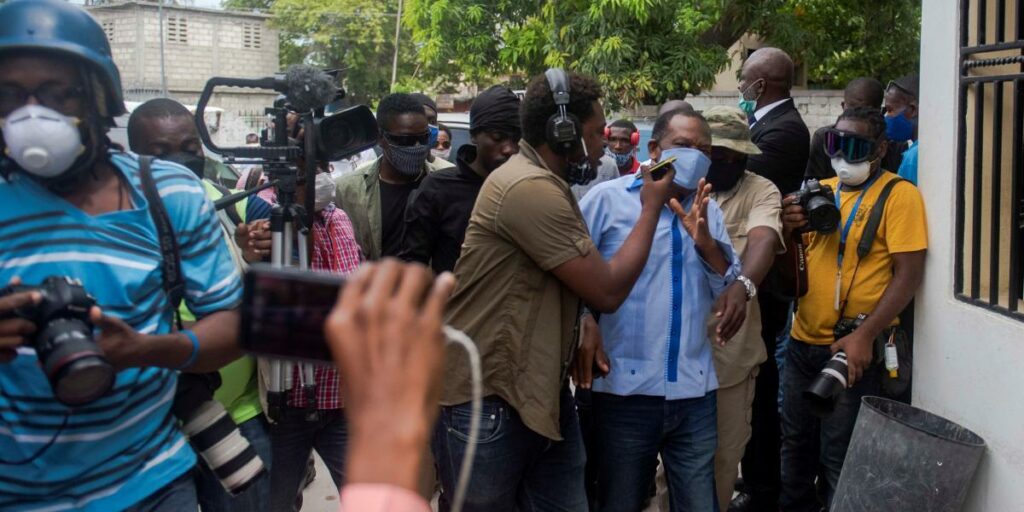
(749, 285)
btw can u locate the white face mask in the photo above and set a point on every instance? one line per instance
(42, 141)
(324, 191)
(441, 153)
(852, 175)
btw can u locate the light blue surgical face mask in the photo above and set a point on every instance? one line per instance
(434, 130)
(691, 165)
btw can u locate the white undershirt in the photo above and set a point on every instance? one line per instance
(763, 111)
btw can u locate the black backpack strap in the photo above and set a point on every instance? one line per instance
(174, 282)
(231, 211)
(875, 218)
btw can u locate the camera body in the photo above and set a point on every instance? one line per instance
(845, 326)
(75, 366)
(818, 202)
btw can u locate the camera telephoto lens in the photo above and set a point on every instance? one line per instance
(825, 389)
(214, 434)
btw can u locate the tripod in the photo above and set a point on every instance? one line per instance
(288, 229)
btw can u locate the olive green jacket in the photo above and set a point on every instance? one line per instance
(358, 194)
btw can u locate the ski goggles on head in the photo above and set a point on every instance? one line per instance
(849, 147)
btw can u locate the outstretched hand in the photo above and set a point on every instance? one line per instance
(695, 221)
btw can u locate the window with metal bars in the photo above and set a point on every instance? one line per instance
(990, 181)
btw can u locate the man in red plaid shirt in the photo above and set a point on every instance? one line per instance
(314, 418)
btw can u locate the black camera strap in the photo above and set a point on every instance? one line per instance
(867, 237)
(173, 281)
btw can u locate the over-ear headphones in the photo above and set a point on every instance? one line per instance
(634, 138)
(562, 131)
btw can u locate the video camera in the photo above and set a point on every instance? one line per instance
(307, 93)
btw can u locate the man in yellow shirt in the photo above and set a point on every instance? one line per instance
(878, 284)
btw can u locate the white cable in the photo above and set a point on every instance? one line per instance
(460, 338)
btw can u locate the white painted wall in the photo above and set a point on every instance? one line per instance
(969, 362)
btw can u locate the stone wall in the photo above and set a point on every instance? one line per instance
(818, 107)
(199, 44)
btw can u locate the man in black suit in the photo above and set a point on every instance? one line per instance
(779, 132)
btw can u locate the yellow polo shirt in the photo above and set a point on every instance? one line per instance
(903, 229)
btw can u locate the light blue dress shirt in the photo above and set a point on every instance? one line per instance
(657, 341)
(908, 169)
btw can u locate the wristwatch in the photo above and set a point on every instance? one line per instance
(749, 285)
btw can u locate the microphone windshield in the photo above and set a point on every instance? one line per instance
(308, 87)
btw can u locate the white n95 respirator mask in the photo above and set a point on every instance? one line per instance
(42, 141)
(851, 175)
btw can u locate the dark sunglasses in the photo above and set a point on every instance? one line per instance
(54, 96)
(444, 144)
(850, 147)
(407, 140)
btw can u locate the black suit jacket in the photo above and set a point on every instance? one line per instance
(784, 141)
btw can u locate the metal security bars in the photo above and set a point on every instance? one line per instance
(990, 184)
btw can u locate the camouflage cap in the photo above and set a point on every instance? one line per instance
(729, 129)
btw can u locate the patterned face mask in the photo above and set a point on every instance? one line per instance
(407, 160)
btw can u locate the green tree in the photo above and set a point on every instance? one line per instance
(842, 40)
(354, 36)
(647, 51)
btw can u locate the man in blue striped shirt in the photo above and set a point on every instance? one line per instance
(659, 393)
(70, 205)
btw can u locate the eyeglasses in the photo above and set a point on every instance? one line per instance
(850, 147)
(444, 144)
(396, 139)
(55, 96)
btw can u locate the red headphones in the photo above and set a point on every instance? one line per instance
(634, 138)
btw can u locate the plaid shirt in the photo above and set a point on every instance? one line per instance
(335, 250)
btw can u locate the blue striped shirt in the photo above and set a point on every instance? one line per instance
(114, 452)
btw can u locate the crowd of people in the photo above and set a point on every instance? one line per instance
(642, 325)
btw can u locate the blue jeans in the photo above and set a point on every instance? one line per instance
(255, 498)
(174, 497)
(809, 442)
(633, 430)
(293, 438)
(515, 468)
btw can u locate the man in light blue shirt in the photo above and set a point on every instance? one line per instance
(659, 395)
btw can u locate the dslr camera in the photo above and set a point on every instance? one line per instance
(825, 389)
(75, 366)
(818, 201)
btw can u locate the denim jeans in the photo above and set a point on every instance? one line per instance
(809, 442)
(515, 468)
(293, 438)
(633, 430)
(174, 497)
(255, 498)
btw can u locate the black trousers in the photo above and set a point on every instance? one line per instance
(761, 465)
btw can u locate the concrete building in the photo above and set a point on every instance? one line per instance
(198, 43)
(969, 339)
